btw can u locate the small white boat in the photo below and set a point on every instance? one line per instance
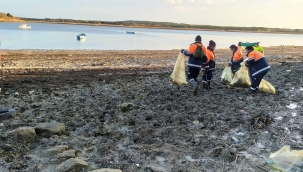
(128, 32)
(24, 26)
(81, 36)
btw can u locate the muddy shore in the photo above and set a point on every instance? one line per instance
(120, 110)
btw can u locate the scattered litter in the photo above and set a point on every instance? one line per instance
(138, 165)
(294, 114)
(246, 155)
(279, 118)
(196, 122)
(240, 134)
(292, 106)
(259, 145)
(288, 70)
(31, 91)
(261, 120)
(236, 140)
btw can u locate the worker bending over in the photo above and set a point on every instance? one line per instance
(257, 66)
(237, 57)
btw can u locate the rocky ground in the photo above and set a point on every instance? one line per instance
(88, 110)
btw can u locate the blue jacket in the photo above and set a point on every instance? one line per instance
(193, 62)
(257, 67)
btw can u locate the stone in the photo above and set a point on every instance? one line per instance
(72, 165)
(6, 114)
(25, 134)
(106, 170)
(125, 107)
(55, 150)
(7, 147)
(66, 155)
(14, 124)
(51, 128)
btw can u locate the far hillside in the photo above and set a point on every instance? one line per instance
(8, 18)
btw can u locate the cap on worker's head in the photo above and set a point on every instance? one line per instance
(233, 46)
(211, 42)
(249, 48)
(198, 38)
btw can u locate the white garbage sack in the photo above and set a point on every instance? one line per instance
(179, 74)
(227, 75)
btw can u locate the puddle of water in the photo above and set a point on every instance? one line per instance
(292, 106)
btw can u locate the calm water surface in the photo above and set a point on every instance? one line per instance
(59, 36)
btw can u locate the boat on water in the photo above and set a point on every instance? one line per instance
(24, 26)
(128, 32)
(81, 36)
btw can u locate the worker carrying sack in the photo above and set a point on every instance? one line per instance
(242, 79)
(178, 75)
(227, 75)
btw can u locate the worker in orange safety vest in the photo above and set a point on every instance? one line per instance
(237, 57)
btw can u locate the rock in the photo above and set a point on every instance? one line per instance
(51, 128)
(6, 114)
(66, 155)
(25, 134)
(14, 124)
(56, 150)
(17, 94)
(7, 147)
(125, 107)
(72, 165)
(106, 170)
(196, 128)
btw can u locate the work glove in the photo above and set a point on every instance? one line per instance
(229, 64)
(247, 65)
(182, 51)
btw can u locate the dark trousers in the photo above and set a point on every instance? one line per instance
(255, 81)
(207, 76)
(193, 73)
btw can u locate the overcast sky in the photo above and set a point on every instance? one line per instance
(266, 13)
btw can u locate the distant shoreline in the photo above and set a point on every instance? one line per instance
(162, 27)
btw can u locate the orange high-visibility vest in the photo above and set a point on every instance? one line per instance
(256, 55)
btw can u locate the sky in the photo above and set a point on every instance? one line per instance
(248, 13)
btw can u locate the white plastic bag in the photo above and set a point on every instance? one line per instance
(227, 75)
(285, 160)
(241, 77)
(179, 74)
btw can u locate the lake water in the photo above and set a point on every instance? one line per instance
(60, 36)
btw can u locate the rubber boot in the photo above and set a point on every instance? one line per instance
(195, 87)
(204, 85)
(208, 83)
